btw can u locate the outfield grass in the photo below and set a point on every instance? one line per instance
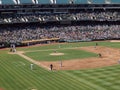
(107, 77)
(57, 46)
(15, 73)
(70, 45)
(68, 55)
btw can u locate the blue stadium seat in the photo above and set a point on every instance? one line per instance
(98, 1)
(81, 1)
(62, 1)
(8, 2)
(26, 2)
(115, 1)
(44, 2)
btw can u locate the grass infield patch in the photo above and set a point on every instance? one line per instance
(69, 54)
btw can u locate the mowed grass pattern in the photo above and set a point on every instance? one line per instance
(108, 77)
(15, 74)
(68, 55)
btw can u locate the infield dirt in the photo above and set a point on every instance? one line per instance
(110, 56)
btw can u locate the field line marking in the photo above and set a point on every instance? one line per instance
(33, 61)
(84, 81)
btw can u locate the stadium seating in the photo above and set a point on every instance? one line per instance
(44, 2)
(98, 1)
(26, 2)
(62, 1)
(60, 15)
(115, 1)
(8, 2)
(67, 33)
(99, 16)
(81, 1)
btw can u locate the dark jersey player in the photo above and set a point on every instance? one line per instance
(51, 67)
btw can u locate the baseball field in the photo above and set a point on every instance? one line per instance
(76, 66)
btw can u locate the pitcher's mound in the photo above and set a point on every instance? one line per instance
(56, 54)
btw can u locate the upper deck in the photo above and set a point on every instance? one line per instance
(4, 2)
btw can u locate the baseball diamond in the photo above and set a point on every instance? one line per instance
(86, 72)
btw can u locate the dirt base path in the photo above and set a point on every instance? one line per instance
(110, 56)
(32, 60)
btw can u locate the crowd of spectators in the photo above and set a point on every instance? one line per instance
(100, 16)
(88, 32)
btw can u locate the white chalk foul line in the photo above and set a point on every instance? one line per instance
(33, 61)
